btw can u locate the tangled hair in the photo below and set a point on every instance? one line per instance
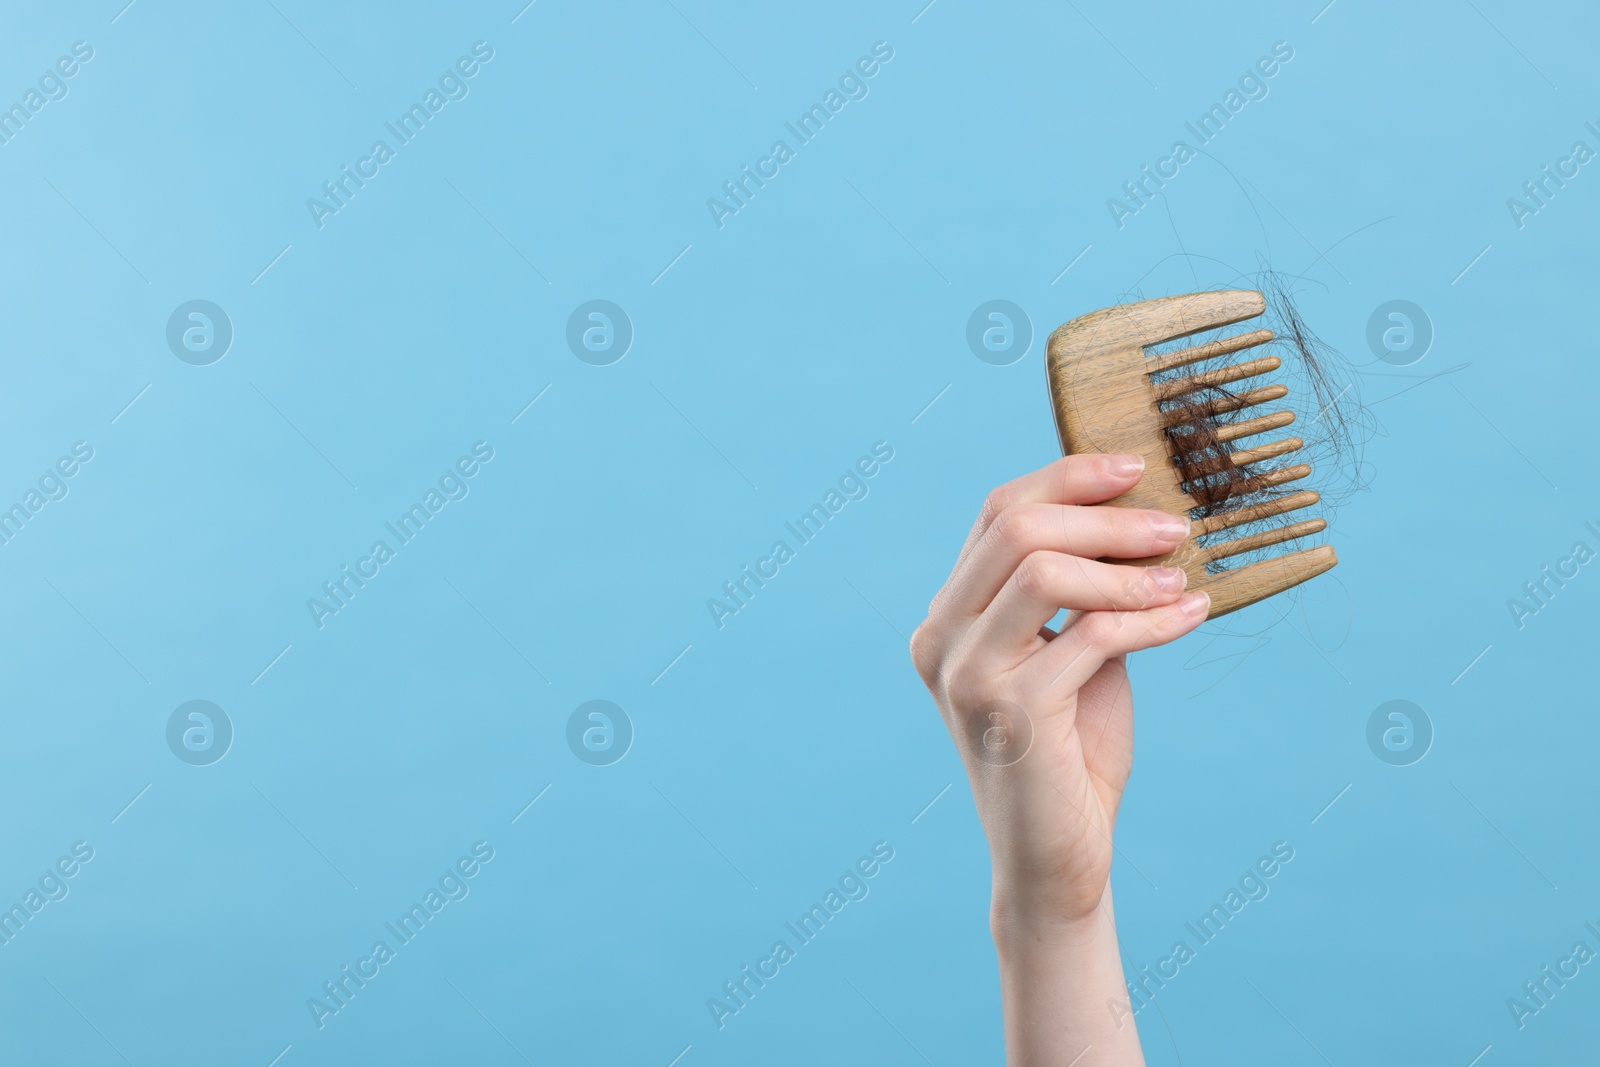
(1323, 396)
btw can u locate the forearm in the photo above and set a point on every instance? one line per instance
(1020, 697)
(1061, 988)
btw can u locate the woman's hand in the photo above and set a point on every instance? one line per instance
(1044, 723)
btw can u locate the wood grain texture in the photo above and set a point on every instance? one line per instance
(1104, 401)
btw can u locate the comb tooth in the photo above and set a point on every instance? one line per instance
(1224, 404)
(1222, 347)
(1216, 464)
(1255, 512)
(1254, 426)
(1242, 586)
(1222, 376)
(1271, 478)
(1255, 455)
(1265, 539)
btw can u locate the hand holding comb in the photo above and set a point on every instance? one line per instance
(1109, 396)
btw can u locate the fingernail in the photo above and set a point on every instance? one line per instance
(1125, 466)
(1169, 579)
(1169, 527)
(1195, 604)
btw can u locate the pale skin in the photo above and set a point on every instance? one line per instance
(1048, 805)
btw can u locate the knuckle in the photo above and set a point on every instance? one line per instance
(967, 687)
(1128, 528)
(1131, 591)
(1038, 574)
(997, 501)
(1078, 464)
(1017, 528)
(1098, 629)
(924, 653)
(1129, 525)
(1140, 587)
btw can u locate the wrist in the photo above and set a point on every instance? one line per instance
(1061, 984)
(1023, 917)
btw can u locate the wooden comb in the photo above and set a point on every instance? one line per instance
(1106, 400)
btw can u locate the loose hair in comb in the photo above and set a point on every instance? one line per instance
(1118, 385)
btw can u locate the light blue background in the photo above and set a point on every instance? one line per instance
(822, 318)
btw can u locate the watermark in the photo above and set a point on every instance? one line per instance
(451, 86)
(52, 87)
(599, 333)
(52, 486)
(1537, 593)
(1399, 332)
(851, 86)
(52, 886)
(1252, 86)
(1000, 733)
(851, 887)
(452, 886)
(1538, 192)
(599, 733)
(1252, 888)
(999, 332)
(452, 485)
(199, 332)
(1399, 733)
(852, 485)
(1540, 991)
(199, 733)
